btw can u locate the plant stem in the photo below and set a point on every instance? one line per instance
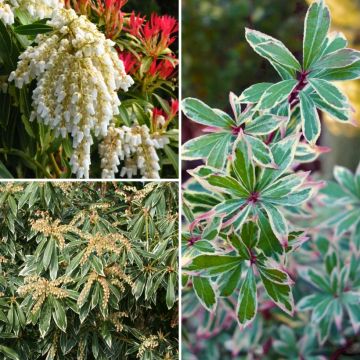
(56, 167)
(21, 154)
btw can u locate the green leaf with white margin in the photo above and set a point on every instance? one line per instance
(50, 247)
(227, 207)
(317, 24)
(254, 93)
(354, 314)
(320, 309)
(283, 152)
(336, 41)
(346, 180)
(325, 323)
(348, 222)
(274, 273)
(201, 113)
(309, 302)
(309, 118)
(338, 59)
(268, 242)
(317, 279)
(170, 291)
(59, 315)
(351, 72)
(329, 93)
(239, 218)
(305, 153)
(201, 146)
(337, 114)
(256, 39)
(260, 151)
(212, 265)
(281, 294)
(229, 281)
(276, 94)
(356, 237)
(247, 302)
(212, 229)
(283, 186)
(296, 197)
(237, 243)
(278, 53)
(277, 221)
(10, 353)
(215, 180)
(45, 319)
(227, 184)
(262, 125)
(235, 106)
(220, 152)
(97, 265)
(242, 165)
(205, 293)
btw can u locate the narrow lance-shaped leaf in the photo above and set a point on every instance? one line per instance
(309, 118)
(276, 94)
(205, 292)
(212, 265)
(247, 302)
(254, 93)
(256, 39)
(278, 222)
(201, 113)
(338, 59)
(201, 146)
(317, 24)
(260, 151)
(329, 93)
(262, 125)
(220, 151)
(281, 294)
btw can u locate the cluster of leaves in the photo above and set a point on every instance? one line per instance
(242, 205)
(88, 271)
(326, 322)
(151, 60)
(221, 44)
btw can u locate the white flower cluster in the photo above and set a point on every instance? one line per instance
(38, 9)
(6, 13)
(78, 75)
(136, 147)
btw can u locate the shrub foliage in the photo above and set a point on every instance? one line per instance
(249, 207)
(88, 271)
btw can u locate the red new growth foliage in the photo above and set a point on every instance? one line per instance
(162, 68)
(156, 35)
(131, 63)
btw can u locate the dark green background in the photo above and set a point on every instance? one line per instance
(216, 59)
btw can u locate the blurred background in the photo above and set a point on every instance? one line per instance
(216, 59)
(169, 7)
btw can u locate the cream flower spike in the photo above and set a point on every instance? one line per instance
(136, 147)
(38, 9)
(6, 13)
(78, 74)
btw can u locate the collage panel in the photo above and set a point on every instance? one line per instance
(89, 89)
(88, 270)
(271, 180)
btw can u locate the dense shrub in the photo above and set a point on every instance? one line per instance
(88, 271)
(257, 223)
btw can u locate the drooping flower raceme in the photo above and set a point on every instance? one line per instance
(38, 9)
(78, 74)
(6, 13)
(136, 147)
